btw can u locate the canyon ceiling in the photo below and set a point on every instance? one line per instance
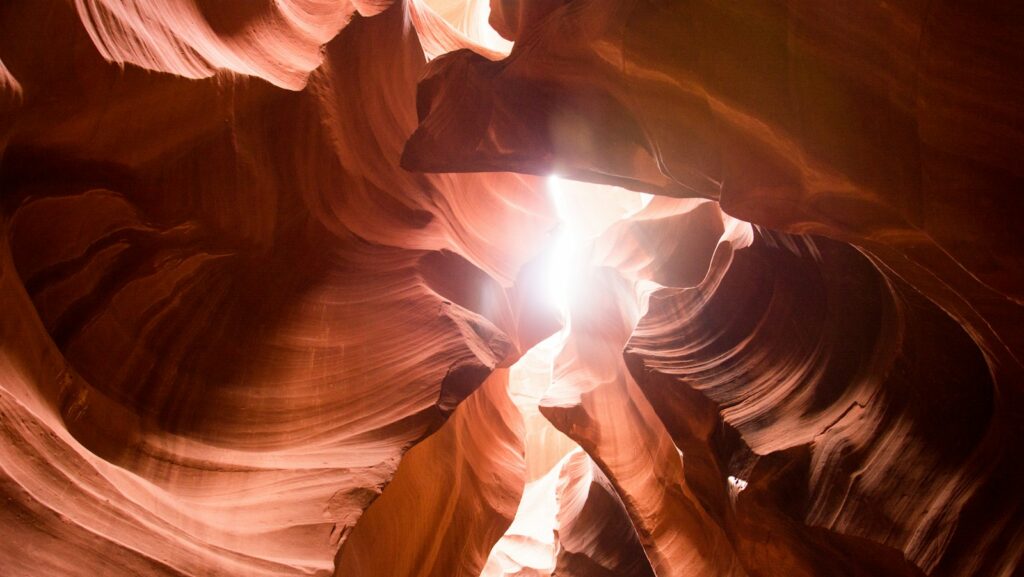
(450, 288)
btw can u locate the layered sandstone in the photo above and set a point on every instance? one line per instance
(289, 288)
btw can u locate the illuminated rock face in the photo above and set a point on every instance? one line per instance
(287, 288)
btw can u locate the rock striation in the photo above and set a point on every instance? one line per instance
(547, 288)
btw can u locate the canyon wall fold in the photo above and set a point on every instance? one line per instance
(549, 288)
(229, 311)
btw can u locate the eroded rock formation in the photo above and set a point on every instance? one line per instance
(289, 288)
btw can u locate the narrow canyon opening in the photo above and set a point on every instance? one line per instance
(557, 469)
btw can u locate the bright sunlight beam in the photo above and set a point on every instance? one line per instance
(584, 211)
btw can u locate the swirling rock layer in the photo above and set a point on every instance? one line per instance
(343, 323)
(275, 287)
(838, 411)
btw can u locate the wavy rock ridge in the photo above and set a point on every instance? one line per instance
(289, 288)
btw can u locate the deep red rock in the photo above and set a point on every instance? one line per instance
(288, 288)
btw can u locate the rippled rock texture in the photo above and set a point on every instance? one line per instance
(288, 289)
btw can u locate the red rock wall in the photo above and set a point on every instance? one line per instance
(266, 268)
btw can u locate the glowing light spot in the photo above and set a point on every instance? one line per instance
(480, 29)
(563, 266)
(585, 211)
(737, 483)
(645, 199)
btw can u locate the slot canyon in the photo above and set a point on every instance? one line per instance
(511, 288)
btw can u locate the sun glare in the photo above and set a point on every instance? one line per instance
(584, 210)
(564, 261)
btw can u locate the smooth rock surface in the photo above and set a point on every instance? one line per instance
(573, 288)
